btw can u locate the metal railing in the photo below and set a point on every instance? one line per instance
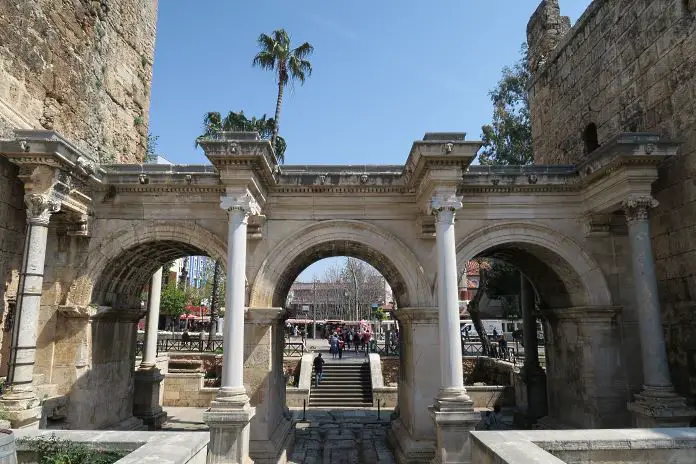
(293, 349)
(194, 344)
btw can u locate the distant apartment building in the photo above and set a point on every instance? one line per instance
(195, 270)
(334, 300)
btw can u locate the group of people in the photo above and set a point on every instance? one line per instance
(345, 338)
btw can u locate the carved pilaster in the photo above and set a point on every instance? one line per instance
(637, 208)
(40, 207)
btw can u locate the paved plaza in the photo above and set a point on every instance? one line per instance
(342, 436)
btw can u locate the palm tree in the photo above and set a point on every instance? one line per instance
(290, 64)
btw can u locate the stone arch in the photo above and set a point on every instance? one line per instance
(324, 239)
(563, 273)
(121, 263)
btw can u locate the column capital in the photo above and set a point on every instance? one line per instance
(636, 208)
(444, 205)
(244, 203)
(40, 206)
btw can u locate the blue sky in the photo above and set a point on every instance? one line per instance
(385, 72)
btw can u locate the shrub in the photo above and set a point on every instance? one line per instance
(52, 450)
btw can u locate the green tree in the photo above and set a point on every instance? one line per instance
(214, 123)
(288, 63)
(150, 147)
(215, 299)
(508, 139)
(172, 301)
(379, 314)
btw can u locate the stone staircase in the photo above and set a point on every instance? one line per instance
(343, 385)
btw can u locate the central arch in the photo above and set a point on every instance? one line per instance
(358, 239)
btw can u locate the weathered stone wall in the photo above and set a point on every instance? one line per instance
(82, 68)
(187, 390)
(629, 66)
(12, 226)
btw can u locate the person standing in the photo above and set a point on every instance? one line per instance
(334, 345)
(318, 369)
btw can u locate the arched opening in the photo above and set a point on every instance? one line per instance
(120, 284)
(583, 333)
(355, 239)
(590, 138)
(347, 249)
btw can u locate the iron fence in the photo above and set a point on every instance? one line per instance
(293, 349)
(196, 345)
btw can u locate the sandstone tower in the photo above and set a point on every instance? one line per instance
(629, 67)
(82, 68)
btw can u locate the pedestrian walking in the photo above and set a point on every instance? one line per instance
(318, 369)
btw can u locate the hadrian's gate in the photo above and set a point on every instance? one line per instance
(575, 233)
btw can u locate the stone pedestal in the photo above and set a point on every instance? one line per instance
(413, 433)
(653, 409)
(453, 422)
(146, 398)
(23, 409)
(586, 368)
(272, 429)
(229, 433)
(535, 381)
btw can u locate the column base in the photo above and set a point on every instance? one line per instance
(146, 397)
(228, 420)
(23, 409)
(654, 408)
(453, 422)
(408, 450)
(535, 381)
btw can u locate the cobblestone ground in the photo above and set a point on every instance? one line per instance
(342, 437)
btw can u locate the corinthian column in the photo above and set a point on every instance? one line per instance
(453, 411)
(148, 378)
(452, 376)
(230, 413)
(657, 404)
(21, 400)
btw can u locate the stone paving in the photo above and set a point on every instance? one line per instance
(184, 419)
(347, 436)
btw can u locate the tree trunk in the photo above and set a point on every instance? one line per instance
(214, 303)
(279, 103)
(475, 313)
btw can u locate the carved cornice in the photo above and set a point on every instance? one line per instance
(637, 209)
(164, 188)
(502, 188)
(358, 189)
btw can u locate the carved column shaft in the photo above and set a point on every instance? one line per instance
(655, 367)
(238, 210)
(529, 321)
(452, 377)
(152, 321)
(23, 353)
